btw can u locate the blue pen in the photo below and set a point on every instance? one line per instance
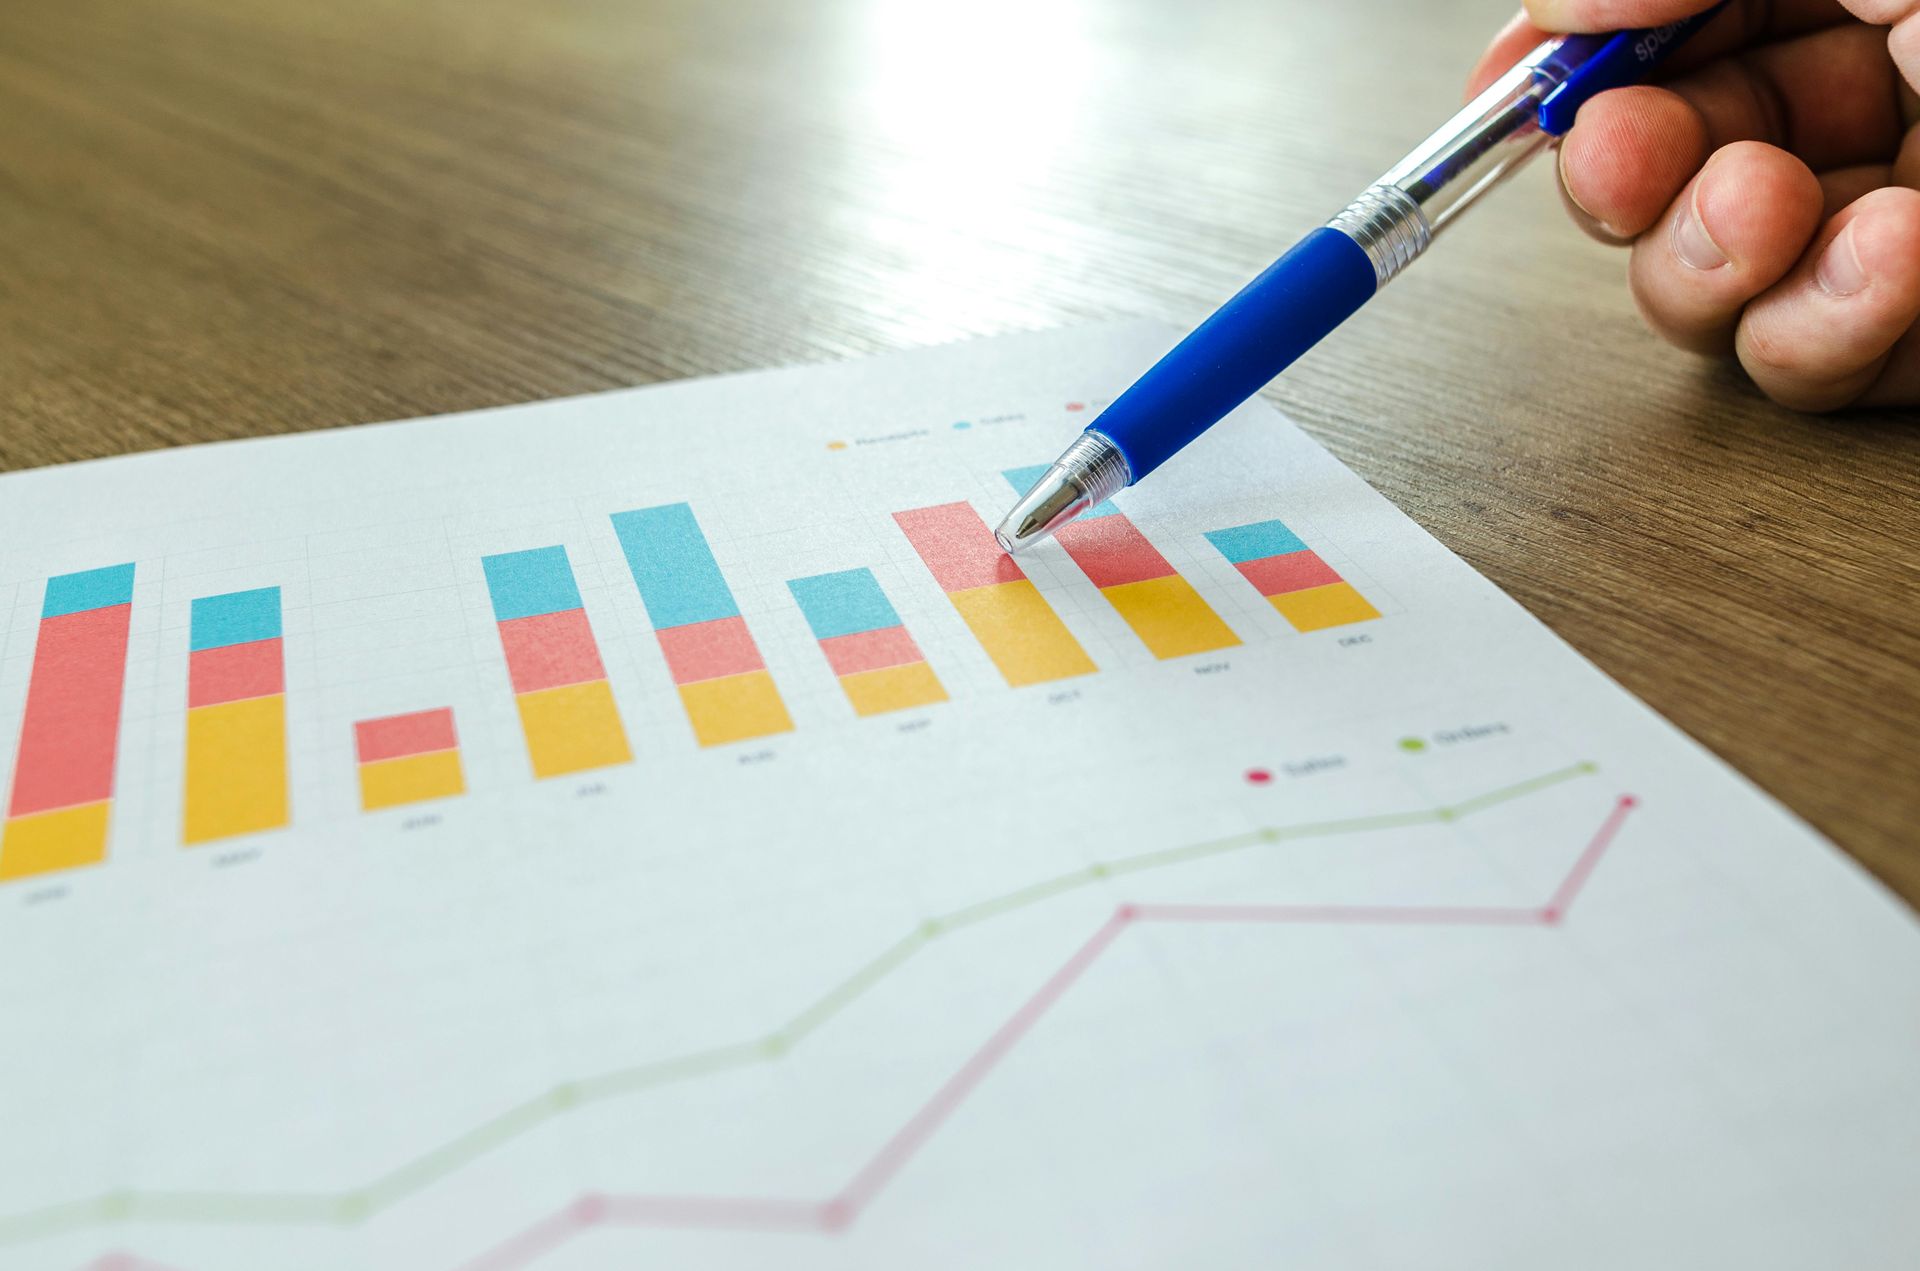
(1336, 269)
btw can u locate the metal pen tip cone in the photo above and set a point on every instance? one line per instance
(1054, 500)
(1091, 471)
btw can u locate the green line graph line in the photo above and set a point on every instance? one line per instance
(356, 1205)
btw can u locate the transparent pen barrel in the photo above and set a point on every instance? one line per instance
(1491, 138)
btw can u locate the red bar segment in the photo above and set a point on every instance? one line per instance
(708, 650)
(1296, 571)
(397, 736)
(72, 722)
(871, 650)
(235, 671)
(549, 650)
(958, 547)
(1111, 550)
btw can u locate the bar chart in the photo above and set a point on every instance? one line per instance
(409, 758)
(237, 772)
(877, 662)
(1013, 622)
(566, 706)
(1293, 578)
(236, 778)
(724, 684)
(63, 778)
(1163, 608)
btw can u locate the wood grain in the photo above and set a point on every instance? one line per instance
(226, 218)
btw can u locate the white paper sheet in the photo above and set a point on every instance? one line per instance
(1409, 941)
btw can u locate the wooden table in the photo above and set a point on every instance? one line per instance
(224, 218)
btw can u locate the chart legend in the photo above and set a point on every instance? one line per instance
(566, 706)
(236, 717)
(724, 683)
(1006, 613)
(63, 776)
(878, 663)
(1304, 588)
(1162, 607)
(407, 758)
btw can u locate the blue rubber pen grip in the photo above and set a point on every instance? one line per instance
(1229, 357)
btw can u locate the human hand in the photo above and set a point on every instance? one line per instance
(1769, 187)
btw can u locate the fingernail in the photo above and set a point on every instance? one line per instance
(1566, 188)
(1839, 272)
(1692, 244)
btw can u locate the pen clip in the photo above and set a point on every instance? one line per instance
(1594, 63)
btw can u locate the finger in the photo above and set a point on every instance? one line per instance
(1734, 232)
(1515, 40)
(1823, 336)
(1903, 41)
(1755, 22)
(1842, 187)
(1906, 164)
(1899, 382)
(1828, 97)
(1749, 20)
(1627, 156)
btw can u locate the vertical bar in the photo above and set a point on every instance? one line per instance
(723, 682)
(877, 662)
(1007, 614)
(58, 810)
(1163, 608)
(567, 711)
(408, 759)
(236, 717)
(1293, 578)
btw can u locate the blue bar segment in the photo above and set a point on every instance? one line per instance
(238, 617)
(673, 567)
(530, 583)
(1258, 541)
(1022, 480)
(846, 603)
(88, 589)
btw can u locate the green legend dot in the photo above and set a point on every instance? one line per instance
(1412, 745)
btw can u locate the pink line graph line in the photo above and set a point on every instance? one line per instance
(1576, 879)
(841, 1210)
(911, 1137)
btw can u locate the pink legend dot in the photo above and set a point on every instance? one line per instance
(1258, 777)
(1076, 406)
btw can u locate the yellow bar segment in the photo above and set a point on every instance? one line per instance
(1333, 605)
(236, 768)
(46, 842)
(735, 708)
(388, 783)
(1021, 633)
(1170, 617)
(573, 728)
(893, 688)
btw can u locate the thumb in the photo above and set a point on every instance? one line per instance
(1610, 15)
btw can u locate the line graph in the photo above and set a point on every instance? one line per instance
(843, 1208)
(357, 1205)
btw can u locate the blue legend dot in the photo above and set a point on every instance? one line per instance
(963, 424)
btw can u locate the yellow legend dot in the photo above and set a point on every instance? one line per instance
(836, 445)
